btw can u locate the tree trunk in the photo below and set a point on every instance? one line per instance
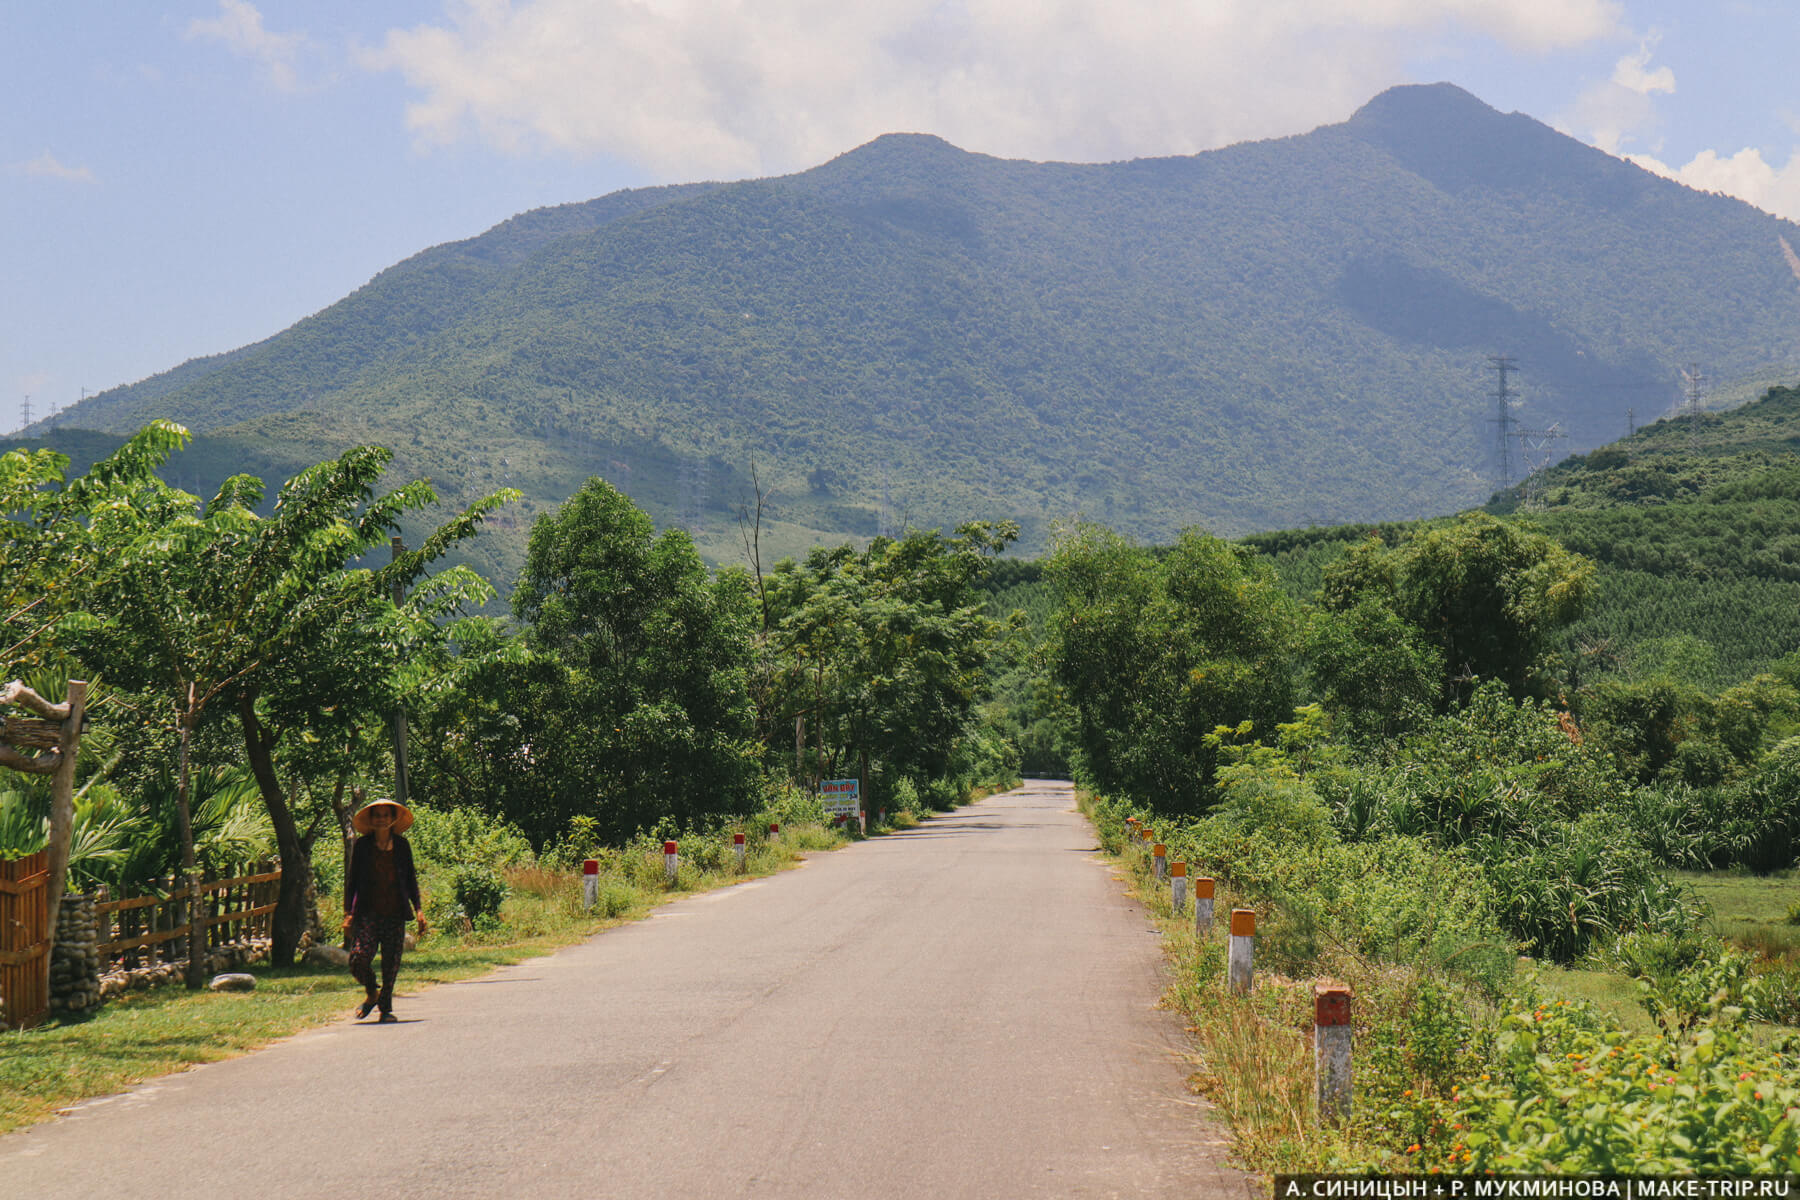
(62, 811)
(184, 821)
(296, 860)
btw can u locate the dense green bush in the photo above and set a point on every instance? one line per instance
(479, 892)
(1566, 1093)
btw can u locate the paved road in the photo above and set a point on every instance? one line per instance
(966, 1009)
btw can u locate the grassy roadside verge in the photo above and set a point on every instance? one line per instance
(141, 1035)
(1460, 1076)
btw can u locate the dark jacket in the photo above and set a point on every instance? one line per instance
(361, 882)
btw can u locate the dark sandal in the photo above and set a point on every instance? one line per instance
(388, 1018)
(364, 1009)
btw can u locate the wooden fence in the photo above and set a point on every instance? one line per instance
(24, 919)
(146, 931)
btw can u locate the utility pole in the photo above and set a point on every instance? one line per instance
(397, 548)
(1503, 417)
(1631, 422)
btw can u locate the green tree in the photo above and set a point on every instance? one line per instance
(1376, 672)
(631, 706)
(198, 606)
(51, 554)
(1488, 595)
(1154, 655)
(880, 655)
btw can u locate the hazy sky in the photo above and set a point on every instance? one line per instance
(181, 178)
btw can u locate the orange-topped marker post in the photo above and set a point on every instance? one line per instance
(1238, 962)
(1203, 904)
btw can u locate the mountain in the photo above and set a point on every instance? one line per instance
(1268, 335)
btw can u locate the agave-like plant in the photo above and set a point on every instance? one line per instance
(24, 830)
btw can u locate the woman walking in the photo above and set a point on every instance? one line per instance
(381, 892)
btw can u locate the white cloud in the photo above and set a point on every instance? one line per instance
(1746, 175)
(47, 166)
(240, 27)
(1633, 72)
(689, 87)
(1620, 111)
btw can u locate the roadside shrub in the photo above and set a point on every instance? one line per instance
(1568, 1094)
(454, 836)
(479, 892)
(1576, 883)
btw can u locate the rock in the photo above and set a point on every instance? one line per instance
(412, 943)
(233, 983)
(323, 955)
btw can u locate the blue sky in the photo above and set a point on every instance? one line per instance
(183, 178)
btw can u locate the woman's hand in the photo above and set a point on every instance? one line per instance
(346, 922)
(421, 924)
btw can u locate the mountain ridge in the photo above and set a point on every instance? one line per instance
(1259, 336)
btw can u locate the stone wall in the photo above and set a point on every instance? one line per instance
(229, 957)
(75, 963)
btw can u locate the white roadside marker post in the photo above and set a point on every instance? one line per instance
(1331, 1049)
(775, 832)
(1159, 860)
(671, 861)
(737, 850)
(1243, 949)
(1178, 887)
(1203, 905)
(590, 883)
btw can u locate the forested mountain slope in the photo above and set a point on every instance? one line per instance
(1263, 336)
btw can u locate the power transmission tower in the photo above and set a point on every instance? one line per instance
(1536, 449)
(1696, 384)
(887, 505)
(25, 409)
(1503, 416)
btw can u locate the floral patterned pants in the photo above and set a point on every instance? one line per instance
(367, 934)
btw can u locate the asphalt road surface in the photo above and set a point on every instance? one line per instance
(967, 1009)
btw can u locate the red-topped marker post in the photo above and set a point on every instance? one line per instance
(671, 861)
(1331, 1049)
(1159, 860)
(737, 851)
(1178, 886)
(590, 883)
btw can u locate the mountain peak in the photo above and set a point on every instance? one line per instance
(1413, 104)
(1456, 141)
